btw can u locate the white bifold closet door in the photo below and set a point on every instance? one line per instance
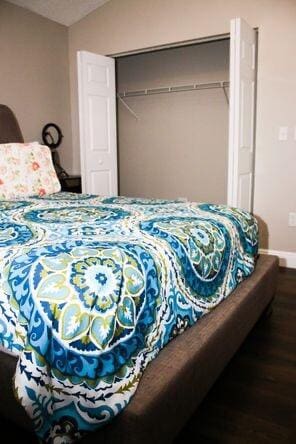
(241, 115)
(97, 121)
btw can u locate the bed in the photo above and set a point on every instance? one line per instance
(188, 364)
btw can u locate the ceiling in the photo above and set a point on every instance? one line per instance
(65, 12)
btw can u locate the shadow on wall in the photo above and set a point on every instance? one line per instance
(263, 233)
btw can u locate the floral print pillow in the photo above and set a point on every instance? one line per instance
(26, 169)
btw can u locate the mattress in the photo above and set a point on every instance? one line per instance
(92, 289)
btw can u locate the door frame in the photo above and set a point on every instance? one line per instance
(180, 44)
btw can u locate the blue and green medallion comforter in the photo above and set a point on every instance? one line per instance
(91, 289)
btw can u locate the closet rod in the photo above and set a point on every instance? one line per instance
(170, 89)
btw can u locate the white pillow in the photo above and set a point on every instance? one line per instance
(26, 169)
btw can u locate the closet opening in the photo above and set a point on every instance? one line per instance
(169, 116)
(172, 122)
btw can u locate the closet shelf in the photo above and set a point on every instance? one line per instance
(170, 89)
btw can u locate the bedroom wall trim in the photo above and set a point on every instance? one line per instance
(287, 258)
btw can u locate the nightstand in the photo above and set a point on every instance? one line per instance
(71, 183)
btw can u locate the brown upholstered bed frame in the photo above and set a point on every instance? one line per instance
(178, 379)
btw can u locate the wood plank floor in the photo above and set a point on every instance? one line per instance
(254, 400)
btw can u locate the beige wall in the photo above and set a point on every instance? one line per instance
(34, 74)
(171, 150)
(123, 25)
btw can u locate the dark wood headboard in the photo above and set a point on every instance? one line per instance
(9, 127)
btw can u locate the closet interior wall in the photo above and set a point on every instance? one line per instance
(178, 144)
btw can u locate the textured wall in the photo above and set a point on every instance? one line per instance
(34, 74)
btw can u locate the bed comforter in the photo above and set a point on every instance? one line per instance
(91, 289)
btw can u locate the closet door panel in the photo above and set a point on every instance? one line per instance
(99, 130)
(97, 119)
(241, 115)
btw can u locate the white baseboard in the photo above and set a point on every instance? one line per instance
(287, 258)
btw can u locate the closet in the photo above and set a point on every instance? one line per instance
(172, 114)
(173, 122)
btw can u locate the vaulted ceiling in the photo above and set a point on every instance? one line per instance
(65, 12)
